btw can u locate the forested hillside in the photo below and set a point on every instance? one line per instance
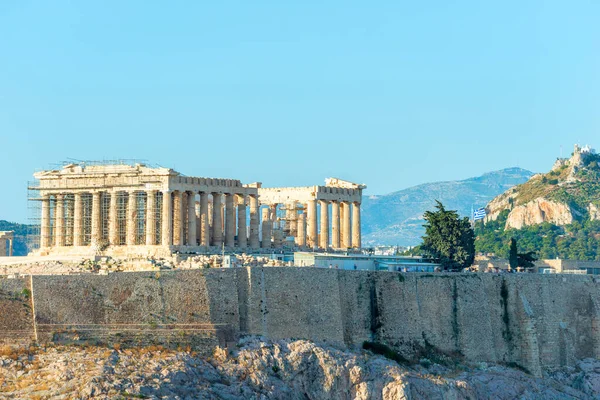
(575, 241)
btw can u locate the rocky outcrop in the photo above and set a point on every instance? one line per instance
(594, 212)
(567, 193)
(538, 211)
(285, 369)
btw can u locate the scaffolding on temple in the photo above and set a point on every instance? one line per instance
(34, 215)
(74, 227)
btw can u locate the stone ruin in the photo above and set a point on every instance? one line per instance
(124, 210)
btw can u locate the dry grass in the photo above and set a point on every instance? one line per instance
(14, 352)
(42, 387)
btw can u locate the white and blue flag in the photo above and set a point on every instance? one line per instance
(479, 214)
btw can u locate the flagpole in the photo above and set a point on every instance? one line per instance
(472, 217)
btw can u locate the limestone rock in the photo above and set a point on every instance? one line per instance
(594, 212)
(538, 211)
(259, 369)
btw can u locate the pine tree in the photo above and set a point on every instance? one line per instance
(448, 238)
(513, 259)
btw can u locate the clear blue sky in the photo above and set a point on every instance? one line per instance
(391, 94)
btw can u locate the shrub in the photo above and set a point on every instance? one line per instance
(386, 351)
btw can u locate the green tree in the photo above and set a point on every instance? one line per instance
(526, 260)
(512, 254)
(448, 238)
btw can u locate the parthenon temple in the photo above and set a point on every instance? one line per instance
(123, 210)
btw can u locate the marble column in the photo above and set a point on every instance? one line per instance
(223, 217)
(45, 237)
(69, 214)
(210, 217)
(59, 221)
(274, 212)
(191, 220)
(217, 220)
(96, 221)
(335, 224)
(291, 219)
(346, 223)
(204, 227)
(342, 210)
(177, 223)
(183, 217)
(311, 223)
(356, 236)
(198, 226)
(276, 225)
(167, 221)
(10, 247)
(254, 242)
(229, 221)
(131, 218)
(113, 220)
(301, 236)
(324, 233)
(241, 214)
(278, 238)
(277, 228)
(267, 227)
(78, 220)
(150, 218)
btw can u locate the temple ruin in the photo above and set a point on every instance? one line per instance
(133, 209)
(6, 243)
(314, 216)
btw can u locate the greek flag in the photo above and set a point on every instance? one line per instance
(479, 214)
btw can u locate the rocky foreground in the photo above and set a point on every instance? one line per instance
(258, 369)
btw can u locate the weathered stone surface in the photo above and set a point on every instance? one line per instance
(262, 369)
(16, 319)
(6, 237)
(538, 211)
(535, 321)
(594, 212)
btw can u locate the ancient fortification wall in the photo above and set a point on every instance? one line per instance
(527, 319)
(16, 316)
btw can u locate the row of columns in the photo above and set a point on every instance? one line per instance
(193, 228)
(60, 234)
(344, 220)
(312, 227)
(179, 220)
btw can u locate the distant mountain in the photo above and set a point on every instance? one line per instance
(397, 218)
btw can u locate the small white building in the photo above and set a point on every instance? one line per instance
(364, 262)
(587, 149)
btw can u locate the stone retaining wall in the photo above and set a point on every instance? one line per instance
(528, 319)
(16, 316)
